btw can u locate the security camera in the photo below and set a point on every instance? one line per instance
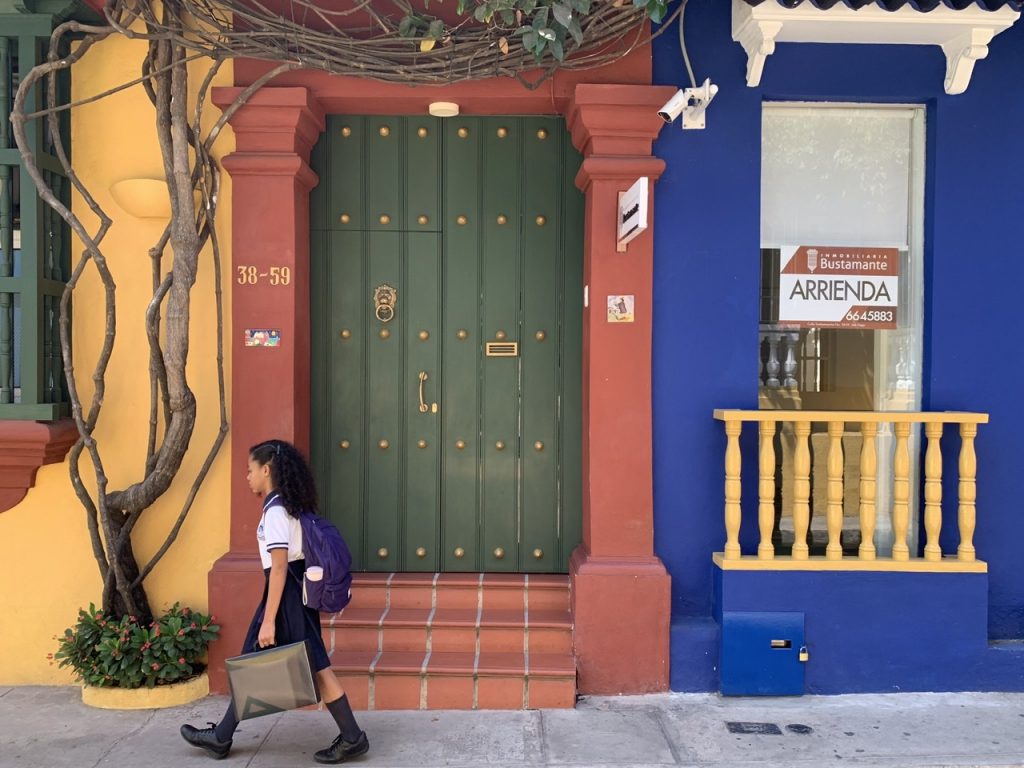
(674, 106)
(691, 104)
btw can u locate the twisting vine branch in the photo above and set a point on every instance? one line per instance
(387, 40)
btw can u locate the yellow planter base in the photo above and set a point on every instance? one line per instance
(147, 698)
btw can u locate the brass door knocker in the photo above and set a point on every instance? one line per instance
(384, 299)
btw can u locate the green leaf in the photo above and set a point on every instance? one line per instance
(557, 50)
(562, 13)
(528, 6)
(656, 11)
(580, 6)
(436, 30)
(481, 13)
(508, 18)
(530, 40)
(540, 19)
(406, 27)
(460, 7)
(547, 33)
(576, 31)
(641, 3)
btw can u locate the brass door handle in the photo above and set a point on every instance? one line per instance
(423, 405)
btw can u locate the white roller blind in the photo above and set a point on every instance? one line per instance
(835, 176)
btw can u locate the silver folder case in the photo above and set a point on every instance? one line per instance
(273, 680)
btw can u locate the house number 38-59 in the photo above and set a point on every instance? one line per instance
(248, 275)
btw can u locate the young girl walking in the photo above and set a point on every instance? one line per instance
(280, 475)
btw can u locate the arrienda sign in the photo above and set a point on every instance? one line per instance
(838, 287)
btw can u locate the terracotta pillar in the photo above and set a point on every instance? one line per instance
(621, 591)
(271, 180)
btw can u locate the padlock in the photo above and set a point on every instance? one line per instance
(804, 656)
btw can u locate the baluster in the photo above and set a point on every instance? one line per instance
(6, 232)
(968, 492)
(801, 490)
(766, 491)
(901, 492)
(48, 391)
(933, 490)
(732, 490)
(834, 516)
(772, 366)
(868, 482)
(789, 367)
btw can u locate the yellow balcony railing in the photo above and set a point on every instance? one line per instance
(799, 424)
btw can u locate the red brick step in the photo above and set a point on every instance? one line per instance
(455, 641)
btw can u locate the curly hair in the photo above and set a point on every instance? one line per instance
(290, 474)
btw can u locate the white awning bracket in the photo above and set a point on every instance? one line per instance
(963, 35)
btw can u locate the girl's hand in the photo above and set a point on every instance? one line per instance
(267, 632)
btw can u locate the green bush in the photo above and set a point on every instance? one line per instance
(122, 653)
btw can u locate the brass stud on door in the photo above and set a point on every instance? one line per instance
(460, 552)
(344, 445)
(382, 553)
(384, 333)
(421, 444)
(421, 132)
(499, 335)
(421, 552)
(385, 131)
(540, 335)
(541, 221)
(463, 132)
(538, 446)
(538, 553)
(500, 445)
(499, 553)
(460, 444)
(346, 131)
(462, 334)
(344, 218)
(346, 333)
(503, 219)
(502, 133)
(384, 445)
(424, 335)
(422, 221)
(461, 221)
(384, 219)
(542, 134)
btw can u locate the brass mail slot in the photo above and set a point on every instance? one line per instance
(502, 349)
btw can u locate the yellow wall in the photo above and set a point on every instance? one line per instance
(47, 570)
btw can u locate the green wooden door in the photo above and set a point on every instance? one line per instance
(446, 299)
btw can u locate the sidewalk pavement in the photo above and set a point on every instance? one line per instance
(50, 728)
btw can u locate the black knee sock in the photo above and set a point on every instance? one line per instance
(225, 729)
(342, 713)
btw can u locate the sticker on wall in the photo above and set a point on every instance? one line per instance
(262, 337)
(839, 287)
(620, 309)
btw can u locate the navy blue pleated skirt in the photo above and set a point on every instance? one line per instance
(295, 622)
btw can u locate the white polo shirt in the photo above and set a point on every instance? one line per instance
(278, 530)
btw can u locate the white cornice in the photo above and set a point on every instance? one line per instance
(962, 35)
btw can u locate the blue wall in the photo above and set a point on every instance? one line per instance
(707, 283)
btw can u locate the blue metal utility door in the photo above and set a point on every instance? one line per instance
(763, 654)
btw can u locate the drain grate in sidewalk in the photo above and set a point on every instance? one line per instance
(759, 729)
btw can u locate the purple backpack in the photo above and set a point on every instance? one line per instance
(323, 546)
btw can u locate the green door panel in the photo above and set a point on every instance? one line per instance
(430, 453)
(385, 390)
(461, 347)
(542, 270)
(499, 448)
(422, 316)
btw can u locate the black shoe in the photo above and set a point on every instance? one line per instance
(206, 738)
(341, 750)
